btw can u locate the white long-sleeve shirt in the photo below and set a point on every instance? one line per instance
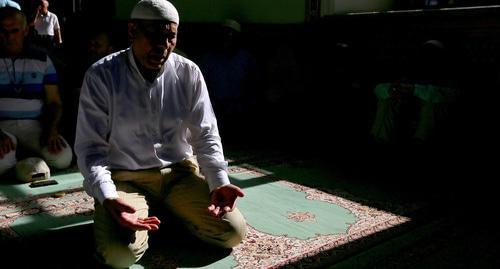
(128, 123)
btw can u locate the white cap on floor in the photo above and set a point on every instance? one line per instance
(31, 169)
(155, 10)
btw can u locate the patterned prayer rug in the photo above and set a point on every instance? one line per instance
(288, 223)
(26, 211)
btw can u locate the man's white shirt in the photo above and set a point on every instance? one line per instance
(46, 24)
(128, 123)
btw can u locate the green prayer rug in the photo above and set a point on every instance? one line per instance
(288, 221)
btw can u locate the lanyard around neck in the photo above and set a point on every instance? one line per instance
(12, 77)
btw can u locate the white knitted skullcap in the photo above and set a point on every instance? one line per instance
(10, 3)
(32, 169)
(155, 10)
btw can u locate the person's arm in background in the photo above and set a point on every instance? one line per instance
(207, 146)
(32, 22)
(57, 32)
(52, 111)
(53, 114)
(58, 36)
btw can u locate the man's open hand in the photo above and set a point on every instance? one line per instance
(223, 199)
(55, 143)
(6, 144)
(125, 215)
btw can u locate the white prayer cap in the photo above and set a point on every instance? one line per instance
(10, 3)
(433, 43)
(232, 24)
(155, 10)
(32, 169)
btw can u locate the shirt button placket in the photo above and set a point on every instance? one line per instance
(153, 106)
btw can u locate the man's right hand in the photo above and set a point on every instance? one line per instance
(6, 144)
(125, 215)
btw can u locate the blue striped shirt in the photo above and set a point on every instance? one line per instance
(22, 83)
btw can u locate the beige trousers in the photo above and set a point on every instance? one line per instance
(26, 136)
(183, 192)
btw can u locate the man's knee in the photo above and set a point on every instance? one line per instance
(60, 160)
(233, 237)
(238, 229)
(231, 234)
(121, 255)
(118, 247)
(8, 160)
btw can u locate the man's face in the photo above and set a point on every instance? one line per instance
(12, 34)
(152, 42)
(99, 47)
(44, 7)
(228, 37)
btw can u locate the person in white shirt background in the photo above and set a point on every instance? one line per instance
(47, 26)
(147, 136)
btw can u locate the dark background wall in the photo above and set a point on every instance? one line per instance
(321, 70)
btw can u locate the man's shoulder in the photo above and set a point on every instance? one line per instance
(51, 14)
(112, 60)
(181, 62)
(180, 58)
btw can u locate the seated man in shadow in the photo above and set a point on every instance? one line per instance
(99, 44)
(411, 108)
(231, 73)
(30, 102)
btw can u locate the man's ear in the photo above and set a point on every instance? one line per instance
(132, 31)
(26, 31)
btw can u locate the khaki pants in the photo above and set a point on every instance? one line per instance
(26, 136)
(183, 192)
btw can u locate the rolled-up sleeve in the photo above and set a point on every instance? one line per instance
(205, 137)
(91, 145)
(435, 94)
(382, 91)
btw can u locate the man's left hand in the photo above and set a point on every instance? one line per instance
(55, 143)
(223, 199)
